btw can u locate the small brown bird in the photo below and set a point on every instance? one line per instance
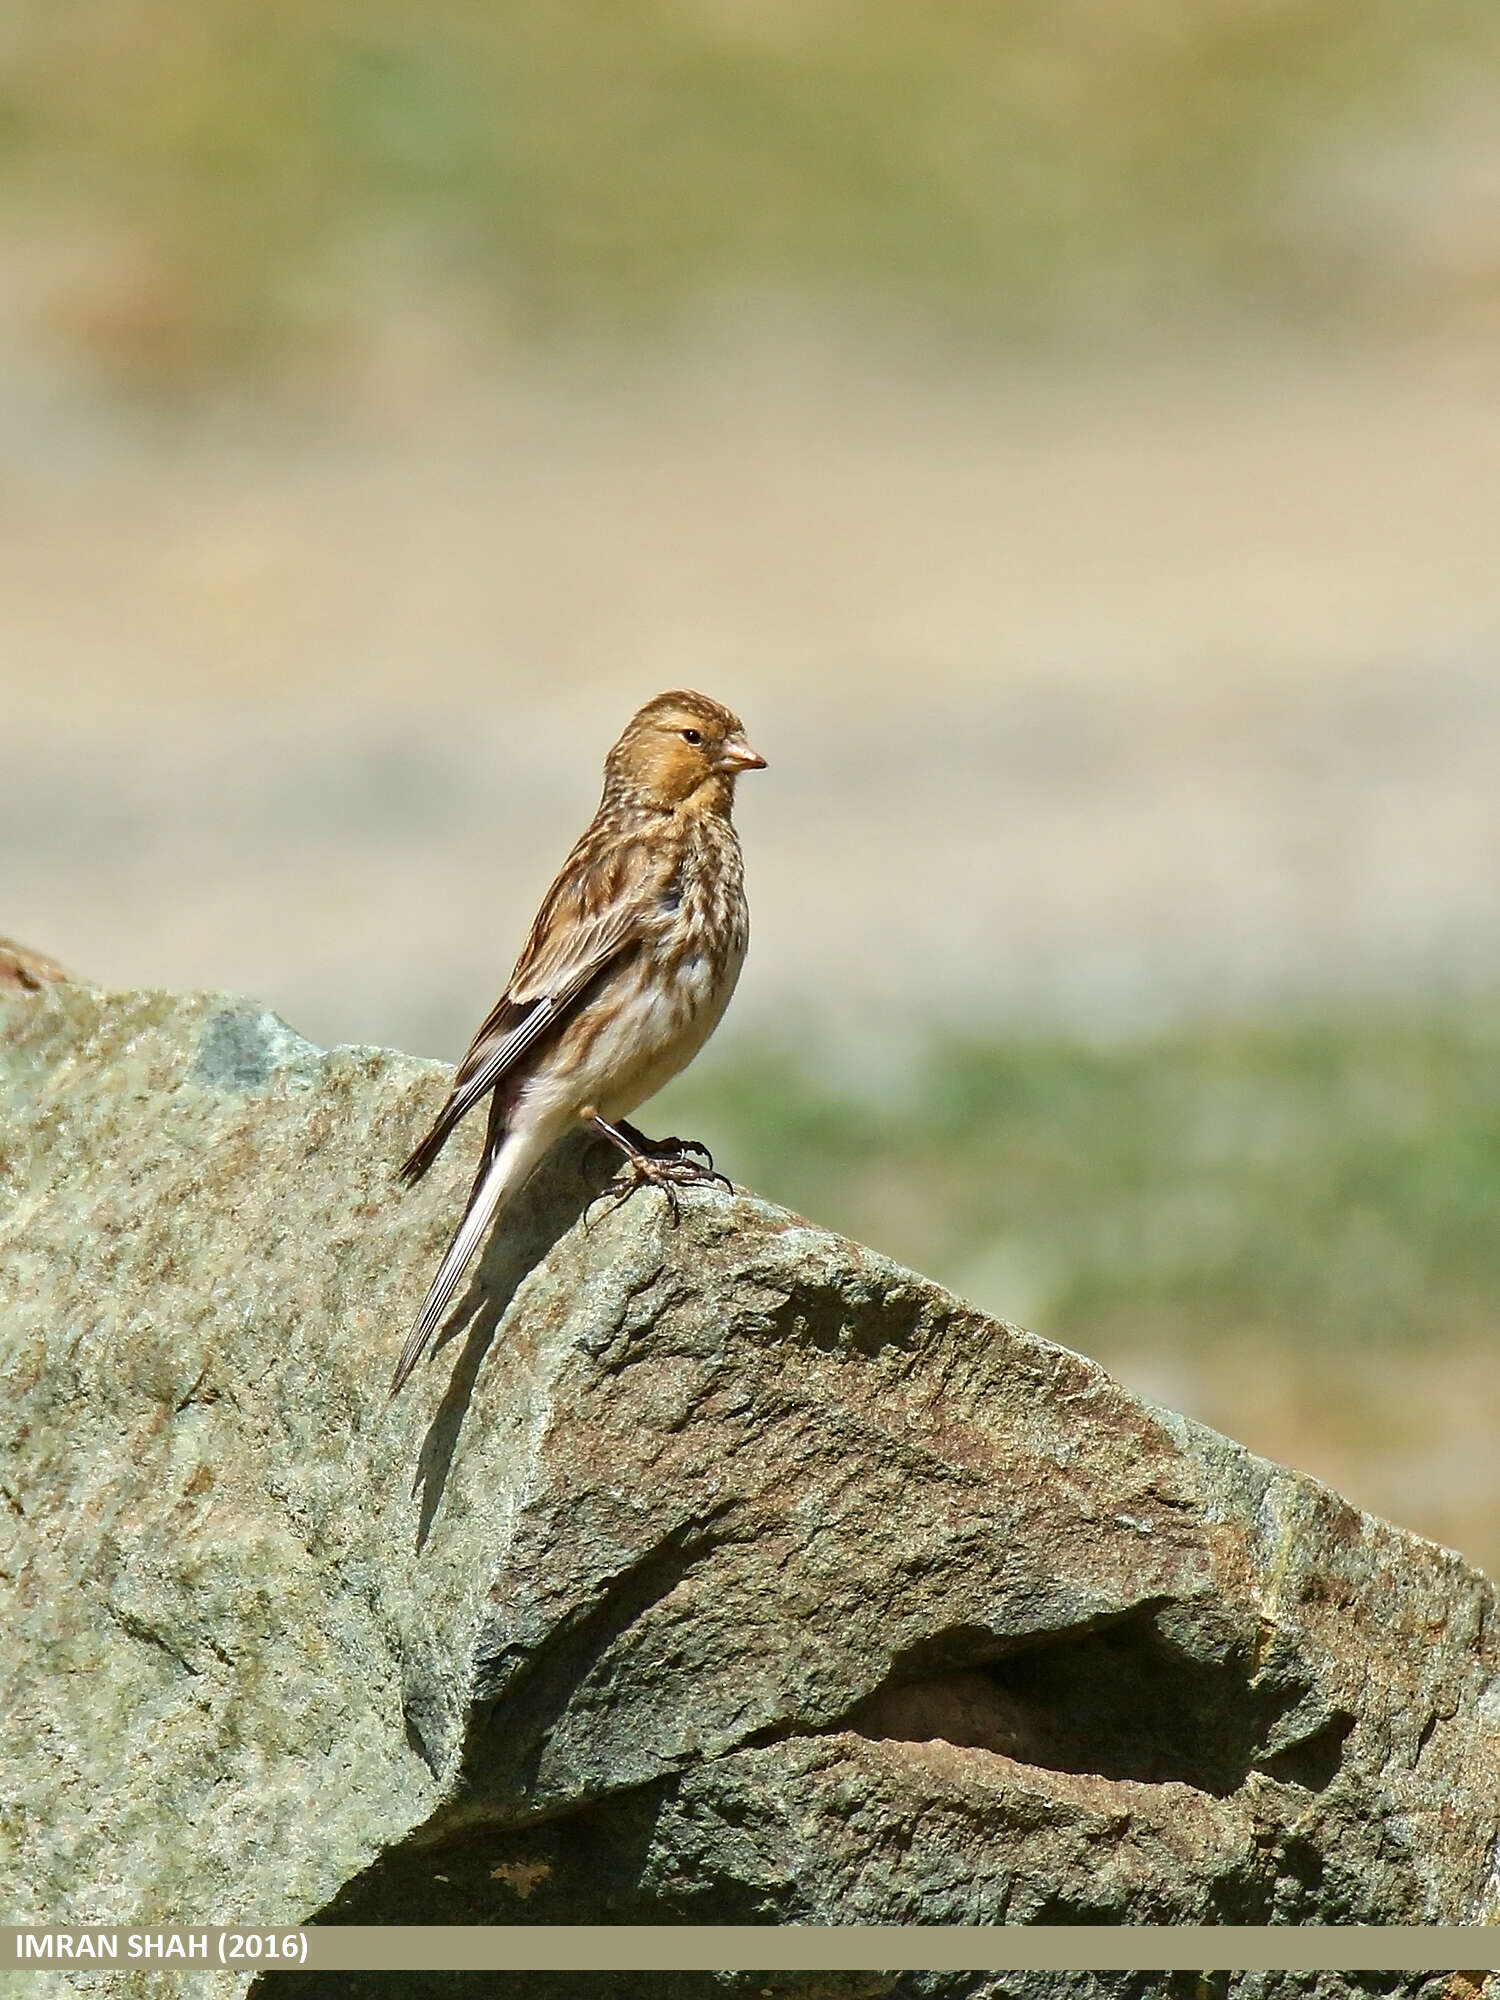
(628, 968)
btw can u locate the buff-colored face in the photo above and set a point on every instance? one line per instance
(681, 743)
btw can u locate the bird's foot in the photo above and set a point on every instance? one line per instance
(673, 1153)
(659, 1163)
(644, 1172)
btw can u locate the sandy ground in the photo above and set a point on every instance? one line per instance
(1095, 700)
(1085, 700)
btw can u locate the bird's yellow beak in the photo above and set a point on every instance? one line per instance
(737, 755)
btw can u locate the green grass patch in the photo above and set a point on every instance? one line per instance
(1323, 1183)
(276, 168)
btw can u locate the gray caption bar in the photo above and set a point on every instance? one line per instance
(664, 1948)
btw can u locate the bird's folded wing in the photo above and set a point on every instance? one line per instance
(489, 1058)
(553, 972)
(599, 906)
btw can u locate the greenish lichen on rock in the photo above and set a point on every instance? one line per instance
(723, 1572)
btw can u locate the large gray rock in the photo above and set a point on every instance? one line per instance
(716, 1573)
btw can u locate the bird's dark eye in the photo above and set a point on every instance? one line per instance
(692, 736)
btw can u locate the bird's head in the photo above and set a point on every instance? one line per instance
(681, 748)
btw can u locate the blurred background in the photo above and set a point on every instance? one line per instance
(1068, 434)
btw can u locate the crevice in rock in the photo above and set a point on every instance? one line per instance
(1424, 1738)
(825, 1317)
(1315, 1761)
(197, 1394)
(585, 1865)
(418, 1744)
(147, 1635)
(1161, 1695)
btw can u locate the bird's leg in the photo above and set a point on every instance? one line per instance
(644, 1167)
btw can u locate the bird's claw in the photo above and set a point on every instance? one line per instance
(674, 1148)
(666, 1150)
(641, 1176)
(687, 1173)
(669, 1155)
(665, 1170)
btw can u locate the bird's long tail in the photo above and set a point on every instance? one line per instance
(503, 1170)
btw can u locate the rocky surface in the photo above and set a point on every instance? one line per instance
(714, 1573)
(1208, 1985)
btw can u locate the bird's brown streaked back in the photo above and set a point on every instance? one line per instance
(627, 969)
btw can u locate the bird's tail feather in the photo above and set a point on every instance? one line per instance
(502, 1172)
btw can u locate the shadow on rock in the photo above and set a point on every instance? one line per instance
(557, 1196)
